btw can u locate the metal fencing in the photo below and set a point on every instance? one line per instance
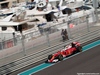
(41, 55)
(48, 35)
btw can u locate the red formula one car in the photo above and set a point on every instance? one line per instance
(73, 48)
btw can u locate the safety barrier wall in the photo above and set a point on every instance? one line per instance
(35, 57)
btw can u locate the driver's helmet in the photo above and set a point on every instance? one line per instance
(68, 46)
(75, 44)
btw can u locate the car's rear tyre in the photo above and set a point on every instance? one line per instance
(60, 57)
(74, 52)
(79, 49)
(50, 56)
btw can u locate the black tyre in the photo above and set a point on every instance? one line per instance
(79, 49)
(50, 56)
(60, 57)
(74, 52)
(46, 61)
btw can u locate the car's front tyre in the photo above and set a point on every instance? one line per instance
(50, 56)
(79, 49)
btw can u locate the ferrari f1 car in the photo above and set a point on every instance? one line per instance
(73, 48)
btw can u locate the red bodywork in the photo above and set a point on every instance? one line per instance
(66, 52)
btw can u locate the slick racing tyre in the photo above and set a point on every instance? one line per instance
(79, 49)
(50, 56)
(60, 57)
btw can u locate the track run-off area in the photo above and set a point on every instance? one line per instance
(46, 65)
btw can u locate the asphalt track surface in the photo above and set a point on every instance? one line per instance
(78, 57)
(45, 65)
(85, 62)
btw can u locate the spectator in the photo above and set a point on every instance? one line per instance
(65, 33)
(15, 40)
(62, 34)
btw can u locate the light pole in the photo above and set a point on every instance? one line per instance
(47, 37)
(68, 30)
(87, 21)
(14, 38)
(69, 20)
(95, 5)
(23, 45)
